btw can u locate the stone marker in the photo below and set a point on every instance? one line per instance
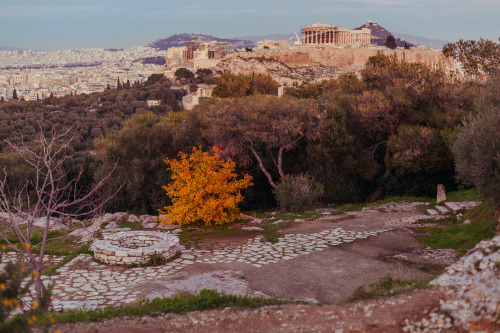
(441, 193)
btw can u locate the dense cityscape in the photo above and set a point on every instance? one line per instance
(36, 75)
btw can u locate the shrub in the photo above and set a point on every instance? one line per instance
(13, 293)
(298, 192)
(477, 153)
(204, 188)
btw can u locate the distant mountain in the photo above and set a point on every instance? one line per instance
(429, 42)
(181, 39)
(379, 34)
(271, 37)
(152, 60)
(8, 48)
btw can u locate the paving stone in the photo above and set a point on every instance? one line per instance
(442, 209)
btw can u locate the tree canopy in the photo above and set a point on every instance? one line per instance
(478, 58)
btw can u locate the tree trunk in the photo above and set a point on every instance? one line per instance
(380, 189)
(263, 169)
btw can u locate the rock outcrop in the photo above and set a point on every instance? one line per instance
(321, 63)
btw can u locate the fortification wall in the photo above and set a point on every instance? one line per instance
(346, 57)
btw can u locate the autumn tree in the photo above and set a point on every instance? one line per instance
(478, 58)
(252, 128)
(17, 314)
(205, 189)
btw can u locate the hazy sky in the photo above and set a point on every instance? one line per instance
(64, 24)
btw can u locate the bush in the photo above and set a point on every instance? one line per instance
(298, 192)
(12, 294)
(477, 153)
(204, 189)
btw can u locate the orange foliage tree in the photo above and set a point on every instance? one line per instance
(204, 188)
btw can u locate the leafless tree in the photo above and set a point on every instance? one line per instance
(50, 195)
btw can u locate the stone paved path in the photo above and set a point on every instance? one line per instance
(85, 283)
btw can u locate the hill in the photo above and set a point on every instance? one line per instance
(181, 39)
(271, 37)
(379, 34)
(8, 48)
(429, 42)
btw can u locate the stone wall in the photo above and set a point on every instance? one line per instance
(134, 247)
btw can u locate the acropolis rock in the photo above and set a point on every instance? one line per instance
(319, 63)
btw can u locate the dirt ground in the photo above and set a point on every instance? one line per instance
(389, 314)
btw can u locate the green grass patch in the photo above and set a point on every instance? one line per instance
(271, 231)
(58, 241)
(53, 269)
(463, 194)
(426, 267)
(205, 300)
(458, 236)
(388, 286)
(136, 225)
(352, 207)
(483, 216)
(398, 199)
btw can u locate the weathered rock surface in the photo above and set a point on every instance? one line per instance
(321, 63)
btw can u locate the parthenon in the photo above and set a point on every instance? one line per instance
(324, 34)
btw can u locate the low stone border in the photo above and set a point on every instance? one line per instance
(134, 247)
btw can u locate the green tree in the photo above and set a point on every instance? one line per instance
(141, 146)
(394, 95)
(240, 85)
(183, 74)
(390, 42)
(253, 127)
(14, 94)
(477, 147)
(478, 58)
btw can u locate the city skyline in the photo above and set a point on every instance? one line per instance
(55, 24)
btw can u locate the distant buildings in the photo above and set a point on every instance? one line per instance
(267, 44)
(321, 35)
(196, 55)
(37, 75)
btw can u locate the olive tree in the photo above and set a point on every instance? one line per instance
(251, 128)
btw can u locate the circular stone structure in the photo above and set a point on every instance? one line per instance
(134, 247)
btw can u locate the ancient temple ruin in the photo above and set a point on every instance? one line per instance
(324, 34)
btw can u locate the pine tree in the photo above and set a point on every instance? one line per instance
(390, 42)
(407, 46)
(118, 85)
(14, 94)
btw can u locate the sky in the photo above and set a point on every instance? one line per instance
(67, 24)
